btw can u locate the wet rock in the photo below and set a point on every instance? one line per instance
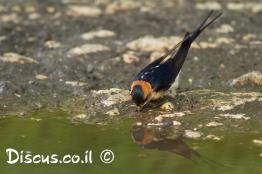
(214, 124)
(168, 106)
(235, 116)
(257, 142)
(75, 83)
(225, 28)
(113, 112)
(213, 137)
(150, 43)
(193, 134)
(16, 58)
(77, 10)
(41, 77)
(208, 6)
(252, 78)
(87, 48)
(53, 44)
(97, 34)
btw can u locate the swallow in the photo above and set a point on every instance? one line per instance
(153, 82)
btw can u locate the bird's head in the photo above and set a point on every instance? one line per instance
(140, 92)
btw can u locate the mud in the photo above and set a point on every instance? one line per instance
(59, 62)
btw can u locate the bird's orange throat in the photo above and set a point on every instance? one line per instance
(146, 87)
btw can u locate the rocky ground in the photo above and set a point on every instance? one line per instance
(80, 56)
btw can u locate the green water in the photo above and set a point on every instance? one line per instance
(55, 133)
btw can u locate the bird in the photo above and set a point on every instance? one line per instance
(153, 81)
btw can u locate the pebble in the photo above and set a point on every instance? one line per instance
(213, 137)
(83, 10)
(225, 28)
(97, 34)
(53, 44)
(87, 48)
(168, 106)
(130, 58)
(75, 83)
(254, 7)
(11, 57)
(176, 123)
(41, 77)
(193, 134)
(150, 43)
(208, 6)
(260, 155)
(81, 116)
(235, 116)
(113, 112)
(257, 142)
(214, 124)
(251, 78)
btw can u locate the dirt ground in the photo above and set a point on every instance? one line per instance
(59, 54)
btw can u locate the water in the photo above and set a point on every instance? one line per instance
(54, 133)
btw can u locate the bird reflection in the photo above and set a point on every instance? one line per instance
(156, 138)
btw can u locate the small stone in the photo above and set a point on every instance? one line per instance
(113, 112)
(81, 116)
(114, 96)
(41, 77)
(18, 95)
(235, 116)
(196, 58)
(208, 6)
(77, 10)
(213, 137)
(75, 83)
(139, 124)
(150, 43)
(53, 44)
(176, 123)
(214, 124)
(257, 142)
(87, 48)
(190, 80)
(249, 36)
(168, 106)
(11, 57)
(260, 154)
(225, 28)
(251, 78)
(130, 58)
(193, 134)
(34, 16)
(97, 34)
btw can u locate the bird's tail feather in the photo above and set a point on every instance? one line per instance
(193, 35)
